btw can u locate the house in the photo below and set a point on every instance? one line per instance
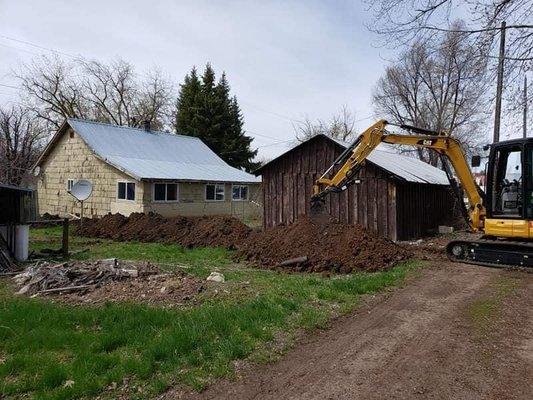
(399, 197)
(139, 170)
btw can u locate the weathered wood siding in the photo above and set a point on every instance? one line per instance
(288, 185)
(374, 203)
(422, 208)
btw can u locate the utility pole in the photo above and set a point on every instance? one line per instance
(525, 107)
(499, 86)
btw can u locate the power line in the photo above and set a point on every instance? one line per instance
(19, 49)
(273, 113)
(36, 46)
(362, 119)
(264, 136)
(9, 86)
(260, 147)
(276, 144)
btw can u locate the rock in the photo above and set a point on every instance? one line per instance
(68, 383)
(163, 289)
(24, 289)
(131, 272)
(445, 229)
(215, 277)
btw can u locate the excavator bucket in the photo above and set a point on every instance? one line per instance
(318, 210)
(318, 206)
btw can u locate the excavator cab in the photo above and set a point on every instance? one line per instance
(509, 193)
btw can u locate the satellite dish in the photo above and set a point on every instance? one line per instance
(36, 171)
(82, 190)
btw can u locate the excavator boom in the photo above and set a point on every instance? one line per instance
(352, 160)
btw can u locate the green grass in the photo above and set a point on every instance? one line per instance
(200, 261)
(44, 345)
(483, 313)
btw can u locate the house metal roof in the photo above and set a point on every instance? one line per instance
(157, 155)
(408, 168)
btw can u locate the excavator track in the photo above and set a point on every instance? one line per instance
(506, 254)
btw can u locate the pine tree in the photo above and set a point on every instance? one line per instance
(205, 109)
(187, 103)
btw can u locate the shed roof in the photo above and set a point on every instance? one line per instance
(15, 188)
(404, 167)
(156, 155)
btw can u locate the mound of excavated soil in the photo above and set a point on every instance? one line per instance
(206, 231)
(329, 247)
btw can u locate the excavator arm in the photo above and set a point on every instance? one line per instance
(352, 160)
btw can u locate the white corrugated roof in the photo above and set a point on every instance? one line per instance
(157, 155)
(408, 168)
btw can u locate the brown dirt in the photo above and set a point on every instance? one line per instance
(329, 246)
(206, 231)
(418, 342)
(163, 289)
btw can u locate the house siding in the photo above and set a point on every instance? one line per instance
(192, 202)
(70, 158)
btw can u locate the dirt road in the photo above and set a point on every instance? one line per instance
(455, 332)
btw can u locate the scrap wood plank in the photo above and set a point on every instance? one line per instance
(6, 257)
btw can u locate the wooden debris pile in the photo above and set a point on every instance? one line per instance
(77, 276)
(6, 261)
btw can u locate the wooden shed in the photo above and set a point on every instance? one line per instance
(399, 197)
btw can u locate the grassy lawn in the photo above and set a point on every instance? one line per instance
(54, 351)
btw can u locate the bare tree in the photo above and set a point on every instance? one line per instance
(435, 87)
(340, 126)
(404, 22)
(90, 89)
(20, 144)
(50, 90)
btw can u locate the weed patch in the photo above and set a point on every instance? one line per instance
(484, 313)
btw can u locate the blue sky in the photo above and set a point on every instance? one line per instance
(284, 59)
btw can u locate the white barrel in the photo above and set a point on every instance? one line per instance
(22, 240)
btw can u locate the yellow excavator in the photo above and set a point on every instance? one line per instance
(503, 214)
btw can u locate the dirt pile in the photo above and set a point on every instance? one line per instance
(173, 289)
(327, 246)
(322, 247)
(206, 231)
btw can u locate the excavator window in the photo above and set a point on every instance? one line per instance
(528, 182)
(507, 182)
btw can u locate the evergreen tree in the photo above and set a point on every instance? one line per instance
(206, 109)
(187, 102)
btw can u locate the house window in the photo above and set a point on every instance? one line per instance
(126, 191)
(70, 183)
(165, 192)
(239, 193)
(214, 192)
